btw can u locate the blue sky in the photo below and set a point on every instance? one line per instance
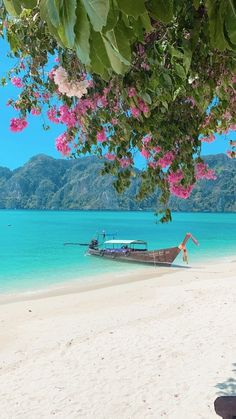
(18, 148)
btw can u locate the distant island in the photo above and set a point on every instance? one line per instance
(56, 184)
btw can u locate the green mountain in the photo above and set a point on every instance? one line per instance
(48, 183)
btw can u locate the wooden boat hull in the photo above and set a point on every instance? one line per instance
(154, 257)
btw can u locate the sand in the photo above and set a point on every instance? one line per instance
(150, 346)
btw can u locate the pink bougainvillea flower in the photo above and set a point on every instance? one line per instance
(67, 116)
(145, 66)
(52, 115)
(22, 65)
(135, 111)
(202, 171)
(166, 160)
(51, 74)
(62, 145)
(147, 139)
(110, 156)
(132, 92)
(36, 95)
(157, 149)
(153, 164)
(114, 121)
(46, 96)
(18, 124)
(175, 177)
(181, 191)
(208, 139)
(125, 162)
(17, 82)
(35, 111)
(145, 153)
(143, 106)
(101, 136)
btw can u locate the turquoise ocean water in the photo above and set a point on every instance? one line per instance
(33, 256)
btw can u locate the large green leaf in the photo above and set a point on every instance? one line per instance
(29, 4)
(162, 10)
(216, 14)
(50, 13)
(49, 10)
(13, 7)
(112, 18)
(119, 41)
(146, 22)
(97, 11)
(230, 23)
(99, 59)
(132, 7)
(82, 34)
(115, 62)
(68, 17)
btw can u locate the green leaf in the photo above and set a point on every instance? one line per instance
(133, 8)
(119, 41)
(187, 59)
(146, 97)
(97, 11)
(50, 14)
(146, 22)
(82, 34)
(180, 71)
(162, 10)
(116, 63)
(99, 59)
(216, 14)
(29, 4)
(230, 23)
(13, 7)
(67, 18)
(196, 4)
(49, 10)
(112, 18)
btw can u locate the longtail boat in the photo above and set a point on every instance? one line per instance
(136, 251)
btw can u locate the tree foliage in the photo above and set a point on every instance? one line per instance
(152, 77)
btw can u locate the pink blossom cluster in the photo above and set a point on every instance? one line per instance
(209, 139)
(142, 107)
(132, 92)
(166, 160)
(110, 156)
(145, 153)
(52, 115)
(181, 191)
(125, 162)
(35, 111)
(101, 136)
(17, 82)
(18, 124)
(67, 116)
(153, 164)
(62, 144)
(175, 177)
(69, 88)
(202, 171)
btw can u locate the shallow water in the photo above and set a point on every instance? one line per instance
(33, 255)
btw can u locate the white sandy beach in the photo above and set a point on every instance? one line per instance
(148, 346)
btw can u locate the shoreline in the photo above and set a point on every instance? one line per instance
(94, 282)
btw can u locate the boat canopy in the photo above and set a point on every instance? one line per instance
(125, 242)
